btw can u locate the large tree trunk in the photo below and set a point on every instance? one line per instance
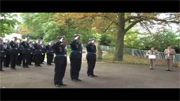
(99, 51)
(118, 55)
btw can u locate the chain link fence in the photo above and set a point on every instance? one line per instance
(139, 53)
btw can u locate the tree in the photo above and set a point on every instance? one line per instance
(39, 25)
(7, 23)
(121, 23)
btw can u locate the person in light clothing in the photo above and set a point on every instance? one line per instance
(169, 57)
(152, 60)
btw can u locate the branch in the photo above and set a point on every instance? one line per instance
(108, 27)
(156, 19)
(141, 23)
(130, 26)
(133, 17)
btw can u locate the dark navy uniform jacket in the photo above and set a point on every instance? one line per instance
(49, 49)
(20, 49)
(25, 47)
(43, 49)
(14, 47)
(38, 48)
(59, 48)
(91, 51)
(76, 48)
(2, 50)
(7, 48)
(31, 47)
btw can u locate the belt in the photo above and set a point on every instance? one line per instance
(13, 48)
(26, 49)
(49, 51)
(37, 50)
(91, 53)
(60, 55)
(76, 51)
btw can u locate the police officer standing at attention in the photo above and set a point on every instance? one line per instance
(19, 59)
(75, 58)
(14, 52)
(31, 53)
(43, 51)
(50, 53)
(60, 61)
(37, 53)
(2, 54)
(7, 51)
(26, 52)
(91, 57)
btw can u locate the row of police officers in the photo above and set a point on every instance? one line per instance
(14, 53)
(24, 53)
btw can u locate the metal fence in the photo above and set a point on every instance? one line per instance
(139, 53)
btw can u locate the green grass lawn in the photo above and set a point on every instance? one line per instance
(129, 59)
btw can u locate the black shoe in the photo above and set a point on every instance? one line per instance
(1, 70)
(57, 85)
(151, 68)
(75, 80)
(63, 85)
(13, 68)
(78, 80)
(94, 75)
(168, 70)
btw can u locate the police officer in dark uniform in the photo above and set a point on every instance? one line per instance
(7, 52)
(31, 53)
(19, 59)
(75, 58)
(43, 51)
(14, 52)
(91, 57)
(37, 53)
(2, 54)
(60, 61)
(26, 52)
(50, 53)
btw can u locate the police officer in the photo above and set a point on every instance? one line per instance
(33, 58)
(26, 52)
(7, 52)
(43, 51)
(60, 61)
(75, 58)
(91, 57)
(31, 53)
(50, 53)
(2, 54)
(14, 52)
(37, 53)
(19, 59)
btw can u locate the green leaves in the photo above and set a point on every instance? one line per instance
(7, 23)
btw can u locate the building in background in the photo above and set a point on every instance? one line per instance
(10, 36)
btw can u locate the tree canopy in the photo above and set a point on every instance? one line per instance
(118, 25)
(7, 23)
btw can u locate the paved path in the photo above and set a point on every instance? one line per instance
(109, 76)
